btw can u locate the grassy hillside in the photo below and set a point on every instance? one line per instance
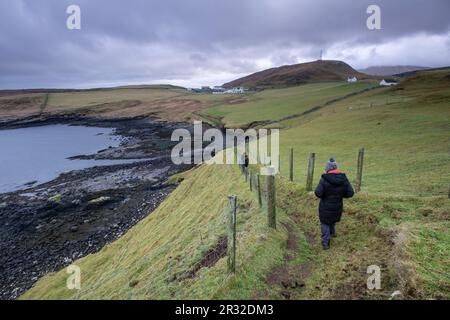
(297, 74)
(399, 222)
(404, 130)
(160, 258)
(278, 103)
(163, 257)
(383, 71)
(20, 105)
(166, 103)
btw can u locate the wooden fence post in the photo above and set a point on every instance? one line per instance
(247, 145)
(251, 180)
(359, 170)
(231, 244)
(271, 202)
(246, 173)
(291, 165)
(279, 164)
(258, 186)
(241, 165)
(309, 178)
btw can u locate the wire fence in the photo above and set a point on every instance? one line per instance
(263, 187)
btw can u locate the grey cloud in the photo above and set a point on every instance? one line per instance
(200, 40)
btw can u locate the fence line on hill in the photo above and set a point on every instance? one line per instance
(311, 167)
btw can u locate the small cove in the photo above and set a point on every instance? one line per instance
(30, 156)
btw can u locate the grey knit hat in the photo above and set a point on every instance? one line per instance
(331, 165)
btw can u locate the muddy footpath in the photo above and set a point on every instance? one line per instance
(46, 227)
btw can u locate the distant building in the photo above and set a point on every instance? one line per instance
(352, 79)
(204, 89)
(388, 82)
(236, 90)
(218, 90)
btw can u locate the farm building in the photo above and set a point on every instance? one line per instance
(388, 82)
(236, 90)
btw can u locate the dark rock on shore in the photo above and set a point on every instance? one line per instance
(45, 227)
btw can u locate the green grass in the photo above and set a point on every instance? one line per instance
(367, 236)
(429, 262)
(278, 103)
(153, 258)
(399, 221)
(406, 140)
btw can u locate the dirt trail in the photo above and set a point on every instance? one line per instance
(290, 277)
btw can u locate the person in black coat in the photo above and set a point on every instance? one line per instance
(246, 160)
(332, 188)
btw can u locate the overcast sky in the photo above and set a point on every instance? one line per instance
(208, 42)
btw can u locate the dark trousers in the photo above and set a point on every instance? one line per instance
(327, 231)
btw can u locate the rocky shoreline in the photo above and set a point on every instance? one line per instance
(46, 227)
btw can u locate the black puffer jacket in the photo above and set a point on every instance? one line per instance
(332, 188)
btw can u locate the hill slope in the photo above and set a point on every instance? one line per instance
(273, 104)
(399, 222)
(413, 73)
(163, 101)
(390, 70)
(291, 75)
(404, 130)
(163, 256)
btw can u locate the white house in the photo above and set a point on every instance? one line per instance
(352, 79)
(388, 83)
(236, 90)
